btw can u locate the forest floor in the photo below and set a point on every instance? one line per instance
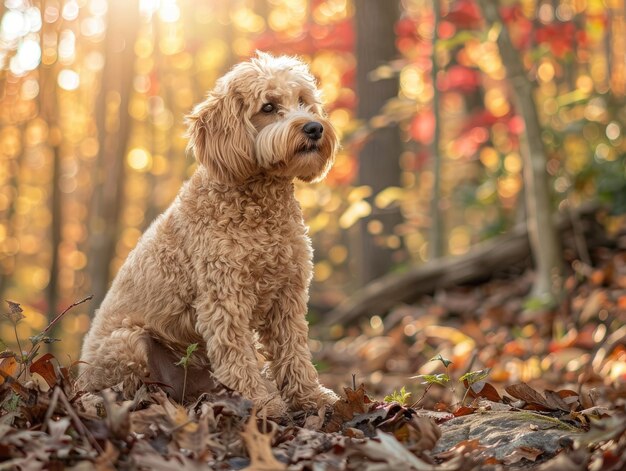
(472, 377)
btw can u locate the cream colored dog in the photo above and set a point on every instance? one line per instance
(229, 262)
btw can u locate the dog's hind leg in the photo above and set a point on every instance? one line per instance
(119, 357)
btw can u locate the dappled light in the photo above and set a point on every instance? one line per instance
(473, 222)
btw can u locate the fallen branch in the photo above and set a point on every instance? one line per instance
(480, 262)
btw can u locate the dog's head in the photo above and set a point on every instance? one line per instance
(264, 116)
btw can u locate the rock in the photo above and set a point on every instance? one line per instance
(502, 433)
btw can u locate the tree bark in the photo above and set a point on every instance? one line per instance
(543, 238)
(436, 230)
(379, 158)
(122, 24)
(48, 110)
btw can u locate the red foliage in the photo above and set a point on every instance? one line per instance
(337, 37)
(465, 14)
(459, 78)
(422, 127)
(446, 30)
(560, 37)
(520, 28)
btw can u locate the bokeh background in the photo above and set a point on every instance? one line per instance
(92, 148)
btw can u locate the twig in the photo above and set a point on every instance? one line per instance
(19, 345)
(71, 306)
(80, 427)
(469, 368)
(30, 353)
(51, 406)
(414, 405)
(182, 397)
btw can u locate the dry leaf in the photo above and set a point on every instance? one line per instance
(552, 401)
(8, 367)
(388, 450)
(259, 446)
(356, 402)
(482, 389)
(43, 367)
(463, 410)
(527, 452)
(15, 312)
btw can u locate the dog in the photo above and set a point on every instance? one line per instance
(228, 264)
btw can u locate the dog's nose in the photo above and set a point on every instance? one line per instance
(313, 130)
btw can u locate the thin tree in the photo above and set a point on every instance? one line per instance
(379, 158)
(116, 84)
(436, 228)
(48, 110)
(544, 242)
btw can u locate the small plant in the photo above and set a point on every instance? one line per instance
(184, 362)
(443, 379)
(401, 397)
(15, 316)
(473, 377)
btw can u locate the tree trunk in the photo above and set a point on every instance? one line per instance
(379, 158)
(48, 110)
(116, 85)
(482, 262)
(436, 229)
(543, 237)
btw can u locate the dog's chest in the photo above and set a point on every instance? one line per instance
(279, 253)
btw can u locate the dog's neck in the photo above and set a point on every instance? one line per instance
(265, 190)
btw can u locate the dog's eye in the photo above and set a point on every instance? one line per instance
(268, 108)
(301, 101)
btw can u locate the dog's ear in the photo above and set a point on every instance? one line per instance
(219, 139)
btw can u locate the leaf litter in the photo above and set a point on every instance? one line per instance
(488, 369)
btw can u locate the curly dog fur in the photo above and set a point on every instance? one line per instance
(228, 265)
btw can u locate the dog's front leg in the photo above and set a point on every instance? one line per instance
(224, 323)
(285, 337)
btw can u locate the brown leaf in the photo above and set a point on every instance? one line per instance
(555, 401)
(8, 367)
(43, 367)
(486, 390)
(259, 446)
(535, 400)
(356, 402)
(315, 422)
(423, 434)
(522, 452)
(388, 450)
(438, 416)
(463, 447)
(461, 411)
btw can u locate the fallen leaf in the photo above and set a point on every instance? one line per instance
(315, 422)
(423, 434)
(355, 402)
(259, 446)
(463, 410)
(387, 451)
(523, 452)
(552, 401)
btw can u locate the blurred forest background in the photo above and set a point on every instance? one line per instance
(427, 101)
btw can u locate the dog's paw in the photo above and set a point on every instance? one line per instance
(316, 399)
(272, 406)
(325, 396)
